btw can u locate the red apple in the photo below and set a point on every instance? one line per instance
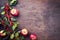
(33, 37)
(14, 12)
(24, 32)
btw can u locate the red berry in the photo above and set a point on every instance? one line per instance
(6, 8)
(2, 22)
(11, 23)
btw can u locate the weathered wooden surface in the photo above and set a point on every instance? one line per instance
(41, 17)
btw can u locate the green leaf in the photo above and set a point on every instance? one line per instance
(2, 7)
(16, 34)
(11, 2)
(6, 23)
(13, 19)
(15, 24)
(5, 18)
(12, 36)
(3, 13)
(18, 38)
(22, 38)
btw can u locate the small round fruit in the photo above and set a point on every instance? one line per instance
(33, 37)
(24, 31)
(14, 12)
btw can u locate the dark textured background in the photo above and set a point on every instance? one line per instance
(40, 16)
